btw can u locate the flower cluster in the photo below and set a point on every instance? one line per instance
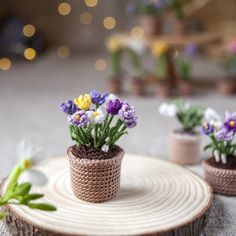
(189, 116)
(222, 135)
(91, 118)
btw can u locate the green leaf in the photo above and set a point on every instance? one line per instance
(42, 206)
(22, 189)
(2, 215)
(208, 146)
(26, 199)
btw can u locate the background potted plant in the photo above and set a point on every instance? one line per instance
(97, 121)
(149, 13)
(18, 192)
(184, 68)
(135, 49)
(220, 169)
(160, 50)
(227, 85)
(115, 46)
(185, 142)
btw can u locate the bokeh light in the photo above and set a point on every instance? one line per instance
(100, 64)
(5, 63)
(91, 3)
(64, 8)
(137, 32)
(63, 51)
(86, 18)
(109, 22)
(30, 54)
(29, 30)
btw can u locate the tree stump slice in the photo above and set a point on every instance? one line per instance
(156, 198)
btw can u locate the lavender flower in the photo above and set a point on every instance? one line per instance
(224, 135)
(190, 50)
(79, 118)
(127, 114)
(230, 121)
(207, 128)
(98, 98)
(114, 106)
(68, 107)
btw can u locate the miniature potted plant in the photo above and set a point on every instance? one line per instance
(135, 49)
(184, 68)
(220, 169)
(185, 142)
(149, 13)
(227, 85)
(115, 46)
(18, 192)
(97, 121)
(160, 50)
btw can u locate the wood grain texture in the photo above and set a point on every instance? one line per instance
(156, 198)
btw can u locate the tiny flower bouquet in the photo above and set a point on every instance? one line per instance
(221, 168)
(97, 121)
(185, 142)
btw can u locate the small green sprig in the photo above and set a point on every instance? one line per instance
(19, 193)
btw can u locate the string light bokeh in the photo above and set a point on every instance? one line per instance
(29, 30)
(64, 8)
(5, 64)
(109, 22)
(63, 51)
(100, 64)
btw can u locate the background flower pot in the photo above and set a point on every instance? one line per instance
(115, 84)
(95, 180)
(185, 148)
(137, 86)
(186, 88)
(150, 24)
(180, 26)
(227, 86)
(223, 181)
(162, 89)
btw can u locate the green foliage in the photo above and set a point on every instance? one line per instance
(184, 68)
(177, 7)
(136, 65)
(161, 69)
(19, 194)
(116, 58)
(228, 63)
(103, 134)
(190, 116)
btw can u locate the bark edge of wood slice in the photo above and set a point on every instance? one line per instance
(156, 198)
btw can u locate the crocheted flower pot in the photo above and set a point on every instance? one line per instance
(137, 86)
(186, 88)
(115, 84)
(163, 89)
(150, 24)
(95, 180)
(185, 148)
(222, 181)
(226, 86)
(180, 26)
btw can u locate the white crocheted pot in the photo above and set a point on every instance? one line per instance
(185, 148)
(222, 181)
(95, 180)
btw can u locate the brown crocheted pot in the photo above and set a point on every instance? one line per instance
(222, 181)
(151, 24)
(95, 180)
(185, 148)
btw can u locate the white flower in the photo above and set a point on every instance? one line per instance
(211, 114)
(105, 148)
(169, 110)
(29, 157)
(96, 117)
(110, 97)
(137, 45)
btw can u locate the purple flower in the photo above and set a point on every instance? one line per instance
(127, 114)
(190, 50)
(79, 118)
(98, 98)
(207, 128)
(224, 135)
(68, 107)
(114, 106)
(230, 121)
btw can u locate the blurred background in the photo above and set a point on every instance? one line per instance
(146, 51)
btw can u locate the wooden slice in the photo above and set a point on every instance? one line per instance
(156, 198)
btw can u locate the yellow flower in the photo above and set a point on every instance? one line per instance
(159, 48)
(115, 43)
(83, 102)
